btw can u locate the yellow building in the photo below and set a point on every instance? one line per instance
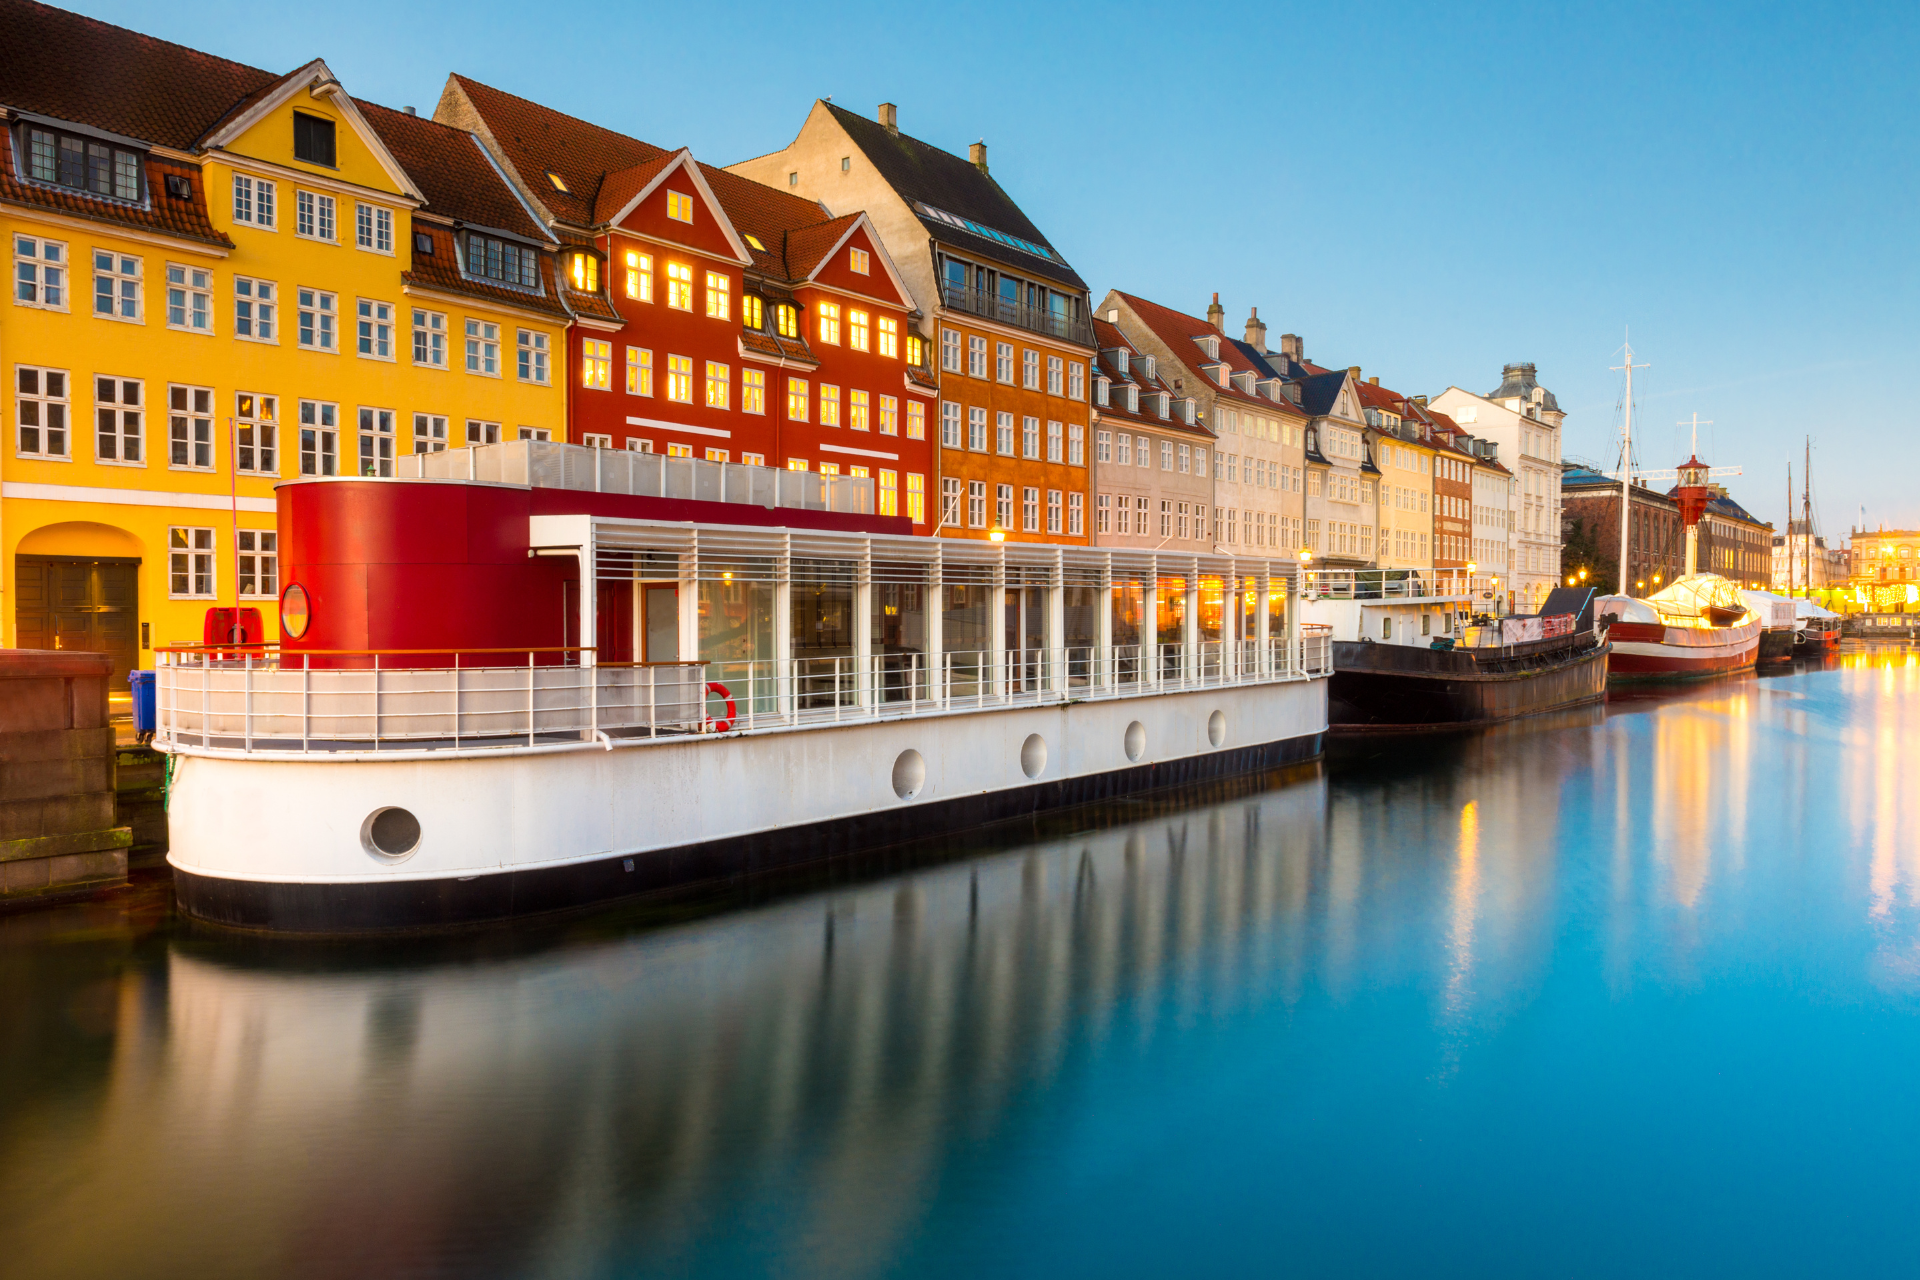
(220, 278)
(1405, 457)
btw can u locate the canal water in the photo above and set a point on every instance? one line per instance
(1629, 991)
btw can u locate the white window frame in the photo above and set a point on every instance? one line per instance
(1030, 369)
(376, 440)
(1056, 375)
(320, 420)
(315, 216)
(430, 433)
(121, 417)
(195, 288)
(191, 426)
(480, 431)
(753, 393)
(1003, 363)
(373, 228)
(483, 347)
(324, 308)
(1076, 445)
(425, 331)
(373, 329)
(115, 273)
(258, 213)
(192, 561)
(640, 371)
(257, 414)
(952, 433)
(256, 557)
(34, 291)
(533, 362)
(48, 406)
(258, 304)
(1076, 381)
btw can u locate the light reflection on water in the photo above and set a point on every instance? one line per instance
(1627, 990)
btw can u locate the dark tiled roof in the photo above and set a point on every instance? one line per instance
(1319, 391)
(161, 213)
(594, 306)
(452, 171)
(918, 171)
(60, 64)
(441, 270)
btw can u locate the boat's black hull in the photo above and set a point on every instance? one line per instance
(1776, 646)
(1398, 689)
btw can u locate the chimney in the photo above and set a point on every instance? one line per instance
(1217, 315)
(410, 111)
(1293, 348)
(978, 154)
(1256, 332)
(1374, 381)
(1353, 371)
(1421, 401)
(890, 117)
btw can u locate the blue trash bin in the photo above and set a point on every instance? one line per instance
(143, 703)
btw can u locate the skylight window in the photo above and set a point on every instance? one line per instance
(754, 242)
(559, 183)
(981, 229)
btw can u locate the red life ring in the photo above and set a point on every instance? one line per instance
(722, 726)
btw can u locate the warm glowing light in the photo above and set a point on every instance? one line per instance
(1472, 567)
(998, 535)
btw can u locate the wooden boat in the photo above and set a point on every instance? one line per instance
(1672, 635)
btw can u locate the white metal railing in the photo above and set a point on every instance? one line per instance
(257, 700)
(548, 464)
(1392, 584)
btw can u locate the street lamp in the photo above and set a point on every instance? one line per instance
(998, 535)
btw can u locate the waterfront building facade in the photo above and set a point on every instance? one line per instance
(1004, 311)
(1800, 563)
(1397, 439)
(1453, 515)
(1259, 454)
(1656, 539)
(1885, 569)
(1153, 488)
(1342, 510)
(222, 277)
(1525, 420)
(1734, 544)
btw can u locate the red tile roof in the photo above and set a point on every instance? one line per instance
(1178, 330)
(440, 270)
(622, 185)
(452, 171)
(807, 247)
(1108, 336)
(161, 213)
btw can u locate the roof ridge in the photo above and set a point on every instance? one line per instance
(171, 44)
(555, 111)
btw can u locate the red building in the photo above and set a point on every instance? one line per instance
(715, 317)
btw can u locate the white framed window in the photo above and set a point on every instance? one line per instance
(889, 415)
(639, 371)
(857, 261)
(1076, 381)
(532, 346)
(798, 404)
(976, 356)
(859, 329)
(717, 455)
(950, 414)
(1076, 445)
(1056, 375)
(637, 445)
(117, 292)
(483, 348)
(1186, 459)
(950, 350)
(1003, 362)
(1166, 455)
(253, 201)
(679, 206)
(479, 432)
(829, 405)
(977, 503)
(39, 273)
(680, 379)
(313, 215)
(319, 438)
(373, 228)
(753, 393)
(680, 286)
(753, 459)
(1003, 506)
(375, 329)
(859, 409)
(255, 308)
(1142, 451)
(1103, 514)
(258, 560)
(1054, 510)
(1003, 434)
(1030, 510)
(596, 364)
(1076, 515)
(1030, 438)
(686, 451)
(40, 410)
(190, 564)
(640, 276)
(719, 385)
(429, 433)
(916, 420)
(256, 434)
(119, 420)
(189, 298)
(189, 428)
(976, 429)
(889, 337)
(828, 322)
(593, 441)
(1055, 439)
(536, 433)
(430, 338)
(719, 296)
(950, 491)
(317, 314)
(376, 441)
(1030, 370)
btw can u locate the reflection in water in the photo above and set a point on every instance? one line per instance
(1497, 991)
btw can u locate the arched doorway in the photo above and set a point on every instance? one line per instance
(77, 586)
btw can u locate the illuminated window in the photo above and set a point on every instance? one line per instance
(889, 493)
(716, 455)
(797, 399)
(680, 286)
(857, 259)
(860, 472)
(830, 323)
(679, 451)
(917, 498)
(640, 276)
(889, 336)
(889, 415)
(786, 321)
(719, 385)
(857, 411)
(796, 464)
(916, 350)
(750, 312)
(680, 379)
(754, 241)
(857, 330)
(559, 183)
(829, 468)
(596, 364)
(639, 372)
(753, 391)
(719, 304)
(584, 270)
(753, 459)
(829, 405)
(679, 207)
(916, 420)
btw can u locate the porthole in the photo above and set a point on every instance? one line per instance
(1135, 741)
(296, 611)
(909, 774)
(1033, 755)
(1217, 728)
(390, 833)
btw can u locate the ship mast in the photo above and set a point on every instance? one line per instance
(1806, 512)
(1787, 541)
(1626, 472)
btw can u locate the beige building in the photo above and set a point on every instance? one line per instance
(1153, 486)
(1525, 421)
(1342, 514)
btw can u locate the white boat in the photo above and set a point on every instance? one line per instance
(1698, 626)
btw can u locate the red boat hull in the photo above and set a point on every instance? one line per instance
(1649, 651)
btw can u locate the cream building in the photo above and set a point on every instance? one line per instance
(1525, 421)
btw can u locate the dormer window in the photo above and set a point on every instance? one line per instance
(1100, 386)
(1162, 403)
(583, 271)
(559, 183)
(752, 311)
(1210, 343)
(503, 260)
(1187, 410)
(84, 164)
(786, 320)
(1133, 398)
(1147, 367)
(916, 350)
(313, 139)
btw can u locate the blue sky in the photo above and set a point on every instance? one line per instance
(1424, 191)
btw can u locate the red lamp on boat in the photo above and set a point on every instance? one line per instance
(1692, 495)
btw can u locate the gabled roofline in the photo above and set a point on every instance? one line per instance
(879, 247)
(314, 76)
(683, 159)
(533, 214)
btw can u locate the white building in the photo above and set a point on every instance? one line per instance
(1524, 420)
